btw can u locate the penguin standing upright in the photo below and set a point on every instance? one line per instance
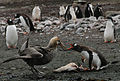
(95, 58)
(98, 11)
(78, 12)
(36, 13)
(89, 10)
(11, 34)
(67, 15)
(26, 22)
(72, 12)
(62, 11)
(109, 33)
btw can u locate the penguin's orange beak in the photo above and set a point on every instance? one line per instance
(70, 47)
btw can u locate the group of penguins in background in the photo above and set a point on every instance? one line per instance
(75, 12)
(36, 55)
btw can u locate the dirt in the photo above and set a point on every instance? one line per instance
(18, 70)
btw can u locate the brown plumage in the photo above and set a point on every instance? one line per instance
(37, 55)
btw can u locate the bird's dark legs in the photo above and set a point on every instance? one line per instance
(37, 72)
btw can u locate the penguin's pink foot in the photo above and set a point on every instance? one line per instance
(85, 69)
(111, 41)
(9, 47)
(14, 46)
(25, 33)
(106, 41)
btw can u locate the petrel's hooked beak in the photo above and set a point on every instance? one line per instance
(70, 47)
(62, 45)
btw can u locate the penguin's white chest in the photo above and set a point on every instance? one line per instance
(109, 32)
(72, 12)
(95, 61)
(62, 10)
(11, 35)
(36, 13)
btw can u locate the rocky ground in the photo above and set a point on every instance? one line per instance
(87, 31)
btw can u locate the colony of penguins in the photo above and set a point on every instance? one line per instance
(70, 17)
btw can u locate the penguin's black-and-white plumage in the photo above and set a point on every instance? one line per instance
(98, 11)
(78, 12)
(89, 10)
(67, 15)
(95, 58)
(109, 33)
(26, 22)
(36, 13)
(11, 34)
(72, 12)
(62, 11)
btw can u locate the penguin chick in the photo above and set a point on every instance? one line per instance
(11, 34)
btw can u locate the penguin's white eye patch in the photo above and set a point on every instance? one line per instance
(75, 44)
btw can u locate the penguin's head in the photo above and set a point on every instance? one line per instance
(110, 18)
(54, 42)
(10, 21)
(16, 18)
(74, 46)
(17, 15)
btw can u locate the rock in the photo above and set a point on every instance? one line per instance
(2, 28)
(48, 23)
(79, 30)
(46, 29)
(92, 18)
(70, 27)
(40, 26)
(62, 26)
(56, 22)
(112, 13)
(102, 29)
(78, 25)
(2, 22)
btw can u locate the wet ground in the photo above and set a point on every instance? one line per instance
(19, 71)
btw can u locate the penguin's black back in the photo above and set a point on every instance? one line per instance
(90, 51)
(67, 14)
(98, 12)
(88, 11)
(78, 12)
(29, 22)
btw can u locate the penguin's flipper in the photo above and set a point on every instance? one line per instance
(90, 59)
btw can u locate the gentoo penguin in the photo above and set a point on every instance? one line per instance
(11, 34)
(89, 10)
(95, 58)
(98, 11)
(72, 12)
(109, 33)
(62, 11)
(26, 22)
(37, 55)
(67, 15)
(36, 13)
(78, 12)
